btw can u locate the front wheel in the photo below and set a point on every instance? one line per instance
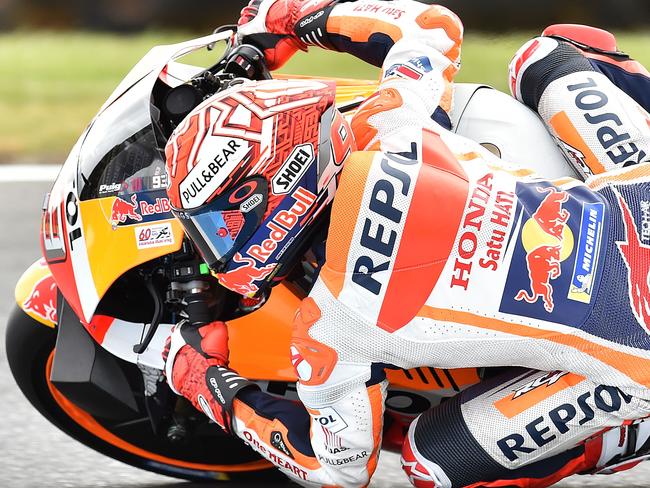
(30, 350)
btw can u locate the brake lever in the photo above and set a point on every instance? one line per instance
(155, 320)
(219, 30)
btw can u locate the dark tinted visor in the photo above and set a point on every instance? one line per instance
(220, 228)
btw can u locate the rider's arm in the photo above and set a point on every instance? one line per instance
(335, 442)
(408, 39)
(418, 47)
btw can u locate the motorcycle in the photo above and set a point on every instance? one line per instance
(84, 340)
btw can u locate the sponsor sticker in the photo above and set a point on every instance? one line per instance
(331, 420)
(110, 188)
(277, 441)
(282, 224)
(588, 251)
(155, 235)
(143, 207)
(251, 203)
(209, 173)
(293, 169)
(42, 300)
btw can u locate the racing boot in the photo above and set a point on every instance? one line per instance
(621, 448)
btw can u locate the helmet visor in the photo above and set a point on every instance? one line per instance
(220, 228)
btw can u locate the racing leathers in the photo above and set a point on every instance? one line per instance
(440, 254)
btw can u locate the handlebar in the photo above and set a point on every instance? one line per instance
(242, 61)
(246, 61)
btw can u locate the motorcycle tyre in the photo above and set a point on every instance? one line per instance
(29, 345)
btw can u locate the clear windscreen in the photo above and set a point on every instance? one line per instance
(121, 151)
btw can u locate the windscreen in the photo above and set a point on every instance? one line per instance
(120, 153)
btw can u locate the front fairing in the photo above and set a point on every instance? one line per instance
(108, 211)
(110, 199)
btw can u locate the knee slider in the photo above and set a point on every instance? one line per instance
(421, 472)
(538, 63)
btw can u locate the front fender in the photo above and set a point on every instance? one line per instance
(36, 294)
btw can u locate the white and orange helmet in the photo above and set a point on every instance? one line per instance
(250, 169)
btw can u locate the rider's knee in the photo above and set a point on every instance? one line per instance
(420, 471)
(431, 452)
(540, 62)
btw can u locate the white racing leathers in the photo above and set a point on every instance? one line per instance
(439, 254)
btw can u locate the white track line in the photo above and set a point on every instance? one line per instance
(10, 173)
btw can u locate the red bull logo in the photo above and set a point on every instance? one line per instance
(42, 300)
(548, 241)
(550, 215)
(543, 265)
(122, 210)
(241, 280)
(637, 258)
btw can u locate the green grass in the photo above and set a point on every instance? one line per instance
(53, 83)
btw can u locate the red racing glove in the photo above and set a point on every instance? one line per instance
(271, 24)
(196, 368)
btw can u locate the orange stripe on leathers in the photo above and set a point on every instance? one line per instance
(441, 17)
(627, 175)
(429, 233)
(634, 367)
(377, 409)
(510, 406)
(381, 101)
(345, 212)
(359, 29)
(566, 131)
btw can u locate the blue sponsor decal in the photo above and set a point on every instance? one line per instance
(587, 252)
(553, 245)
(422, 63)
(138, 208)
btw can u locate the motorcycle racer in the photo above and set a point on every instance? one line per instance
(509, 270)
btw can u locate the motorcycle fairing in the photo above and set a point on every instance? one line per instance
(87, 251)
(84, 251)
(86, 374)
(35, 293)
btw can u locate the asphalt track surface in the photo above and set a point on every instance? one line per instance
(33, 453)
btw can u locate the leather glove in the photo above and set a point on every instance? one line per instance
(196, 367)
(271, 26)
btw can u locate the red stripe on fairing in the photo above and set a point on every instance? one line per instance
(428, 236)
(63, 272)
(98, 327)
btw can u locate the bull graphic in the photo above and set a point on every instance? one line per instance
(543, 265)
(550, 215)
(241, 280)
(122, 210)
(42, 299)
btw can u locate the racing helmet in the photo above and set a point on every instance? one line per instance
(250, 169)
